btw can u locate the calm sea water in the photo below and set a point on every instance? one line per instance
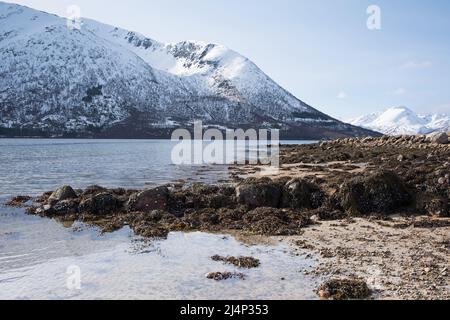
(35, 253)
(33, 166)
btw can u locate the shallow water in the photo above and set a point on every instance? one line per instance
(35, 253)
(33, 166)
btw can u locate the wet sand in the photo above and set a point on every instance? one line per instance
(397, 259)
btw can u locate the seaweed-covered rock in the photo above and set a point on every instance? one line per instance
(220, 201)
(257, 193)
(224, 198)
(299, 193)
(65, 207)
(241, 262)
(438, 207)
(63, 193)
(327, 213)
(202, 219)
(201, 196)
(93, 190)
(149, 200)
(150, 230)
(18, 202)
(347, 289)
(275, 222)
(100, 204)
(220, 276)
(231, 218)
(382, 192)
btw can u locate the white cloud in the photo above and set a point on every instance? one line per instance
(416, 64)
(342, 95)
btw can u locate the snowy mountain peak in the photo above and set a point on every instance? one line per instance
(106, 81)
(401, 120)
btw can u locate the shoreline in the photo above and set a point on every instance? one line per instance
(374, 209)
(396, 259)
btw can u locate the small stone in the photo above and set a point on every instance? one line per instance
(324, 294)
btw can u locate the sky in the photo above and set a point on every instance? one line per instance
(322, 51)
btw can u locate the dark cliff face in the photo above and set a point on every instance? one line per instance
(101, 81)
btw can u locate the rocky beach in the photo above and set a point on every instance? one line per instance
(374, 212)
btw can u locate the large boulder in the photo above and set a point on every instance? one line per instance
(149, 200)
(257, 193)
(439, 138)
(382, 192)
(299, 193)
(100, 204)
(63, 193)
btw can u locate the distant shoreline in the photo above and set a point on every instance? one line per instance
(137, 139)
(136, 133)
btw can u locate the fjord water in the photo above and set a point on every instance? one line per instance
(34, 166)
(35, 253)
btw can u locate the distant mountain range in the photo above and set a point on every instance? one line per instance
(103, 81)
(401, 120)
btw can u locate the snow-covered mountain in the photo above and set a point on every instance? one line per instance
(401, 120)
(104, 81)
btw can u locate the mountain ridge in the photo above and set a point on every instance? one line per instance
(104, 81)
(401, 120)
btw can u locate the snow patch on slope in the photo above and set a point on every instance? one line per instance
(100, 77)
